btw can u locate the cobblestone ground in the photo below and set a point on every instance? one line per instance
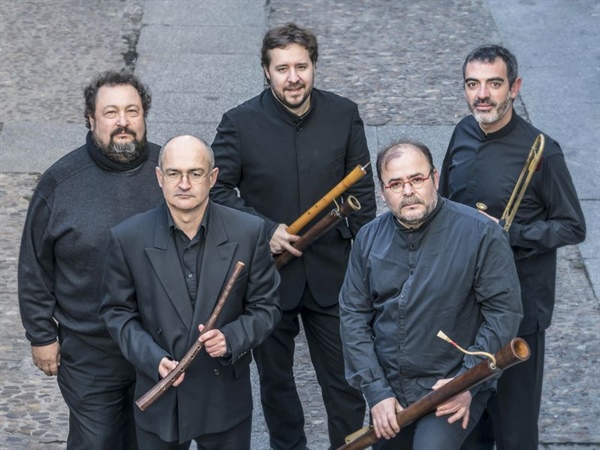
(399, 60)
(50, 50)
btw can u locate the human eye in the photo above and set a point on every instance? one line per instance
(110, 113)
(471, 84)
(195, 175)
(395, 186)
(496, 84)
(133, 111)
(416, 181)
(172, 174)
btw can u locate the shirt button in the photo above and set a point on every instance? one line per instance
(216, 372)
(191, 275)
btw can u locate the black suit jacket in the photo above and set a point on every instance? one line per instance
(147, 310)
(282, 164)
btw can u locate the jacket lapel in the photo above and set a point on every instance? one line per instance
(165, 261)
(217, 263)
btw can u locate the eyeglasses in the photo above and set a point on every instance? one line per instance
(193, 176)
(415, 182)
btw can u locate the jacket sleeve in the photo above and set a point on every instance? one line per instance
(564, 223)
(36, 275)
(362, 367)
(120, 314)
(228, 158)
(261, 311)
(497, 290)
(364, 189)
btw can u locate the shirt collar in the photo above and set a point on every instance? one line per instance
(202, 228)
(505, 130)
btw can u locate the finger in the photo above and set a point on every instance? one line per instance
(457, 416)
(179, 379)
(293, 250)
(465, 421)
(386, 430)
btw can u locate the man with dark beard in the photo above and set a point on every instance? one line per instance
(485, 156)
(283, 150)
(76, 202)
(427, 265)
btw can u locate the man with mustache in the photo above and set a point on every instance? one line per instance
(283, 151)
(429, 264)
(485, 156)
(75, 204)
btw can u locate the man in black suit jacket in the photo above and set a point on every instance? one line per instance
(284, 150)
(164, 271)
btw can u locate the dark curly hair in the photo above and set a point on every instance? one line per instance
(112, 78)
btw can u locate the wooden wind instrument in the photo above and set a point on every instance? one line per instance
(161, 387)
(319, 229)
(357, 173)
(516, 351)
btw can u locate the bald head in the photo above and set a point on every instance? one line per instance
(186, 173)
(178, 144)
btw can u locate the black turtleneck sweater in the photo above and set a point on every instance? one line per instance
(75, 204)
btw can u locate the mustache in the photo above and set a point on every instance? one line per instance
(122, 130)
(485, 101)
(410, 201)
(295, 85)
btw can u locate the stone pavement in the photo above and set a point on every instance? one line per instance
(399, 60)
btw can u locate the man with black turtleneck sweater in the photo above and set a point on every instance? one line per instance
(76, 202)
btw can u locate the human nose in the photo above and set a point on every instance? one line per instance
(122, 120)
(410, 188)
(293, 76)
(184, 181)
(483, 92)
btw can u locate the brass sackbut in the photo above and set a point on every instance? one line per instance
(533, 159)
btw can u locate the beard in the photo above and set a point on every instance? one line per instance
(295, 104)
(122, 152)
(415, 218)
(490, 116)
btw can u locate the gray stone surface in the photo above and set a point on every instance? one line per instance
(399, 60)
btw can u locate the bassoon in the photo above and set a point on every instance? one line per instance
(516, 351)
(320, 228)
(356, 174)
(161, 387)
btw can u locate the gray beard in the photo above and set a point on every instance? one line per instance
(121, 153)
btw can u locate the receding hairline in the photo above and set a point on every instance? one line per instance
(206, 147)
(399, 150)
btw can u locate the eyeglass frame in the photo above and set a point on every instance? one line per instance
(170, 179)
(400, 184)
